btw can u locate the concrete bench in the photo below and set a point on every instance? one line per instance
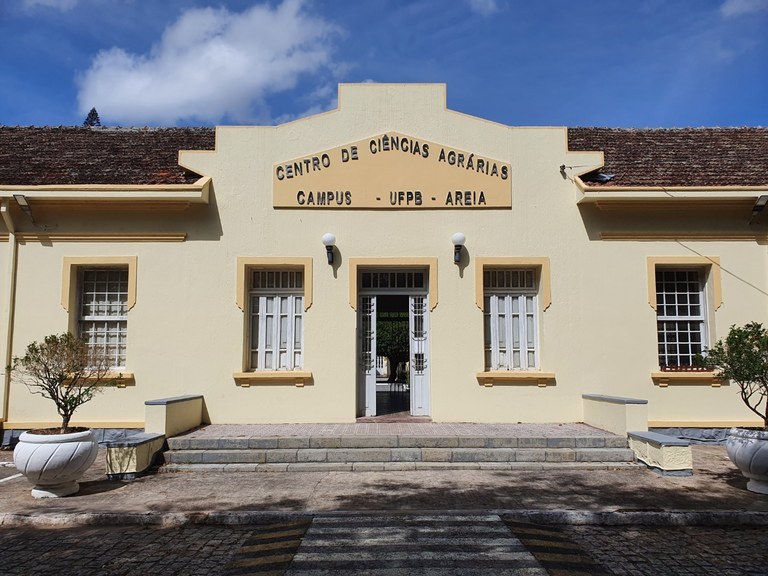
(667, 455)
(615, 413)
(131, 457)
(172, 416)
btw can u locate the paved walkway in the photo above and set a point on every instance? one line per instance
(716, 485)
(623, 521)
(394, 429)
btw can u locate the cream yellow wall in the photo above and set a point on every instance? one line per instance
(186, 330)
(6, 259)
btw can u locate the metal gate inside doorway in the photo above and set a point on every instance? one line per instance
(394, 301)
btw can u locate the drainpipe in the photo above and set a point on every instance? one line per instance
(13, 252)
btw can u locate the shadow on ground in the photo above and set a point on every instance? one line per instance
(715, 485)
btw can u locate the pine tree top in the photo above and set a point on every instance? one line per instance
(92, 119)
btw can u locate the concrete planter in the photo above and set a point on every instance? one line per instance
(748, 450)
(55, 462)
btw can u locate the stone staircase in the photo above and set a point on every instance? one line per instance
(396, 451)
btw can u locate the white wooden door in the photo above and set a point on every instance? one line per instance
(368, 354)
(418, 320)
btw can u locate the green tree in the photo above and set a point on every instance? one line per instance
(742, 358)
(63, 369)
(392, 342)
(92, 119)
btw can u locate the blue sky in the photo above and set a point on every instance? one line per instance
(623, 63)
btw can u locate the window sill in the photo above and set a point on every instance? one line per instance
(117, 379)
(695, 377)
(519, 377)
(296, 377)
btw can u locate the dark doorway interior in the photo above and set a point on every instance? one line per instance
(393, 394)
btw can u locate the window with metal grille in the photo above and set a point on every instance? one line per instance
(392, 280)
(510, 309)
(103, 319)
(276, 339)
(680, 317)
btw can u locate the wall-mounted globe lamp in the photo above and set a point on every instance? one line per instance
(458, 240)
(329, 241)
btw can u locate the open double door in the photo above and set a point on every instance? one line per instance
(385, 295)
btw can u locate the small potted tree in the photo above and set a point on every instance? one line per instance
(742, 358)
(69, 372)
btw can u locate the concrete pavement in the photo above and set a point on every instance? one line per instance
(715, 493)
(624, 521)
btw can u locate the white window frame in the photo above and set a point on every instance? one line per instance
(109, 323)
(501, 292)
(677, 319)
(272, 344)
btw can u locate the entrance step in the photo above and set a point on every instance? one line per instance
(396, 452)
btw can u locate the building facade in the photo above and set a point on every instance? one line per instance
(390, 249)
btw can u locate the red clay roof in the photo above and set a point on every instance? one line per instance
(73, 155)
(636, 157)
(678, 156)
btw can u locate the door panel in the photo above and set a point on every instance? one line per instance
(367, 390)
(418, 319)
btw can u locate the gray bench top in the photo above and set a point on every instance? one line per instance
(135, 440)
(613, 399)
(660, 439)
(173, 400)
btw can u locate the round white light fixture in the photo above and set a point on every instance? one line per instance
(329, 241)
(458, 240)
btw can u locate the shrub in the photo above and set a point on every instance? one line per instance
(742, 358)
(63, 369)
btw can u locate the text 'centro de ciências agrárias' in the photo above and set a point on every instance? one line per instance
(392, 171)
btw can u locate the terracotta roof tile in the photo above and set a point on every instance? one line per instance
(636, 157)
(678, 156)
(74, 155)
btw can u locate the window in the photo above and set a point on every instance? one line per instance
(276, 311)
(510, 319)
(680, 316)
(103, 311)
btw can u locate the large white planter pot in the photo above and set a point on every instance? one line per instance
(748, 450)
(55, 462)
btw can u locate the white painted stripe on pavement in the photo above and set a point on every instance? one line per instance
(443, 556)
(402, 540)
(425, 544)
(11, 478)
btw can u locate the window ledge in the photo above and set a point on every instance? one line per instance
(117, 379)
(665, 378)
(296, 377)
(521, 377)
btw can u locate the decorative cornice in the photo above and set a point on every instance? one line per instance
(516, 377)
(748, 235)
(100, 237)
(298, 378)
(710, 262)
(688, 196)
(196, 193)
(428, 262)
(664, 379)
(540, 262)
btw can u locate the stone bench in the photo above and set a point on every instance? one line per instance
(172, 416)
(667, 455)
(615, 413)
(129, 458)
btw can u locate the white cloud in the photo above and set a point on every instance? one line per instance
(739, 7)
(62, 5)
(322, 99)
(483, 7)
(210, 64)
